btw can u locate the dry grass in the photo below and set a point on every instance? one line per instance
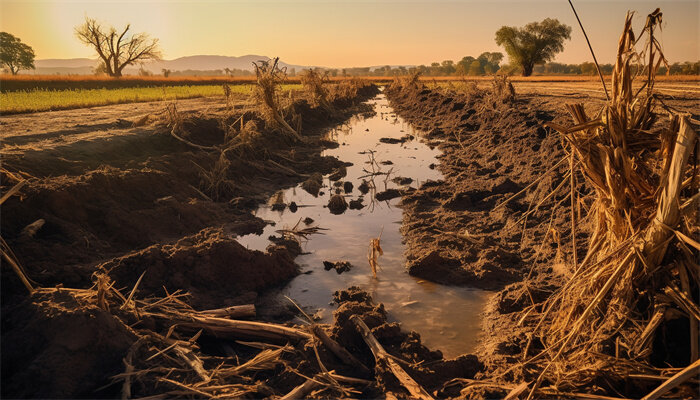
(597, 328)
(266, 92)
(315, 85)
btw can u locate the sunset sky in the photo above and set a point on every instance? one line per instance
(343, 33)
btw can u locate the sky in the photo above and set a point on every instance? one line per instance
(345, 33)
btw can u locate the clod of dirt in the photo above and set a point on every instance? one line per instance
(57, 345)
(388, 194)
(391, 140)
(338, 266)
(400, 180)
(308, 221)
(338, 173)
(287, 243)
(427, 367)
(357, 204)
(211, 265)
(347, 186)
(293, 207)
(337, 204)
(313, 184)
(387, 162)
(364, 187)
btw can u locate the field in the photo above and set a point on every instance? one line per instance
(23, 101)
(430, 238)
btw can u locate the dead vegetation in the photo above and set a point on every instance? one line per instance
(315, 84)
(639, 278)
(269, 78)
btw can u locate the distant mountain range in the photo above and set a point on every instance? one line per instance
(193, 63)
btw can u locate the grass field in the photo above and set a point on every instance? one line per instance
(47, 100)
(10, 83)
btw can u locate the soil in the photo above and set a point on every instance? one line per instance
(483, 225)
(129, 201)
(461, 231)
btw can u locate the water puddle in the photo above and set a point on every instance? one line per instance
(447, 318)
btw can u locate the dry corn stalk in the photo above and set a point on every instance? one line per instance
(375, 250)
(269, 77)
(641, 175)
(314, 83)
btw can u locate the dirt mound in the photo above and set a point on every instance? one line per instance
(58, 345)
(211, 265)
(457, 230)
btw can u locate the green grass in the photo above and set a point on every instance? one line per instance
(47, 100)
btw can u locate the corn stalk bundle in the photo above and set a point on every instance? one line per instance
(269, 77)
(314, 84)
(641, 259)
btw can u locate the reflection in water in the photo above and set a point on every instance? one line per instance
(448, 318)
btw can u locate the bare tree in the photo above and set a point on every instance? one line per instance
(116, 50)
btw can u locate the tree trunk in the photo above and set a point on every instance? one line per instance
(527, 69)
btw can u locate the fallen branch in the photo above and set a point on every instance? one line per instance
(383, 358)
(687, 373)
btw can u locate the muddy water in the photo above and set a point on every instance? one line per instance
(447, 318)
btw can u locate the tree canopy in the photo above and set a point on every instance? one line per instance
(535, 43)
(116, 50)
(15, 55)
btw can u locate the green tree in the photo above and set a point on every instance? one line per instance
(116, 50)
(15, 55)
(476, 68)
(535, 43)
(490, 62)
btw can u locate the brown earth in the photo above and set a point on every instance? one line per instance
(122, 196)
(461, 231)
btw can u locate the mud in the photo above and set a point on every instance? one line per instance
(491, 150)
(460, 231)
(134, 201)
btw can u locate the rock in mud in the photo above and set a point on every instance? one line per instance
(293, 207)
(347, 186)
(364, 187)
(389, 140)
(357, 204)
(388, 194)
(338, 173)
(313, 184)
(308, 221)
(387, 162)
(400, 180)
(338, 266)
(337, 204)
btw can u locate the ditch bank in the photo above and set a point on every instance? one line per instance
(499, 219)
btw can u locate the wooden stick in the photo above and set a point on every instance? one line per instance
(381, 356)
(648, 333)
(683, 301)
(343, 355)
(687, 373)
(516, 392)
(301, 391)
(192, 361)
(231, 328)
(19, 272)
(246, 310)
(12, 191)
